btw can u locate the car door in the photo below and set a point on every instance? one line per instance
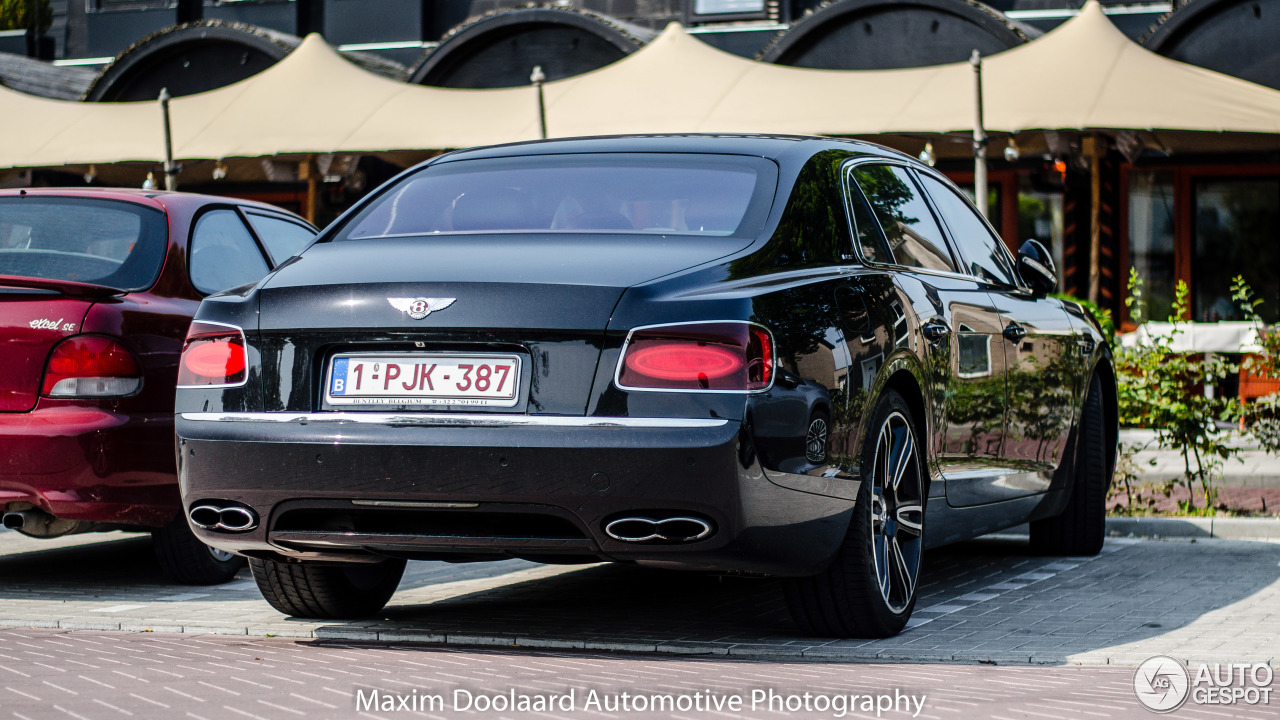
(895, 227)
(1038, 344)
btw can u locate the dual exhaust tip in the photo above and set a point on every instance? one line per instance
(213, 515)
(674, 529)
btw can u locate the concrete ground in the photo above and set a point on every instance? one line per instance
(985, 601)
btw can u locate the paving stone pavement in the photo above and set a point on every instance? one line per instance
(90, 675)
(989, 600)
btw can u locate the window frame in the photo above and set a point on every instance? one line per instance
(951, 235)
(191, 236)
(245, 212)
(242, 212)
(846, 177)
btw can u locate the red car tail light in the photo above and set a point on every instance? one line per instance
(213, 355)
(90, 366)
(719, 356)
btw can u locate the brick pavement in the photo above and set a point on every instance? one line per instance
(988, 601)
(88, 675)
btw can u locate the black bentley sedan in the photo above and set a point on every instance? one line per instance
(795, 357)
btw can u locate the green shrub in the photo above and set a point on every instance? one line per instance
(13, 14)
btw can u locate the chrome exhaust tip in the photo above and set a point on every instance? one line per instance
(670, 529)
(14, 520)
(205, 517)
(230, 518)
(237, 519)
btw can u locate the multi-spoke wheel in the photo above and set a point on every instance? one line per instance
(897, 513)
(815, 438)
(869, 589)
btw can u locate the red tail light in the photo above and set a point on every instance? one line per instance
(213, 355)
(85, 366)
(724, 356)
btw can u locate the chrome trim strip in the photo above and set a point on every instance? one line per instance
(454, 419)
(414, 504)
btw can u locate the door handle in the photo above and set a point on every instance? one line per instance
(1015, 332)
(935, 331)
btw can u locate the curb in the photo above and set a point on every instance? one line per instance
(1225, 528)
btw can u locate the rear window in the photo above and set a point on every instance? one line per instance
(101, 242)
(656, 194)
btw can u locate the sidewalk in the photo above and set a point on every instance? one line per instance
(1252, 468)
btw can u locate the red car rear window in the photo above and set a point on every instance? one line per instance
(102, 242)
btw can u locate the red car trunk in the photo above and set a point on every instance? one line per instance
(30, 325)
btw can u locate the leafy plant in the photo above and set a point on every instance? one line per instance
(1163, 389)
(1263, 415)
(14, 14)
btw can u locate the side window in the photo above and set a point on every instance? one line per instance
(914, 237)
(983, 253)
(866, 230)
(223, 253)
(283, 238)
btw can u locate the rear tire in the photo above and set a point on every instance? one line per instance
(327, 592)
(1081, 527)
(185, 559)
(869, 590)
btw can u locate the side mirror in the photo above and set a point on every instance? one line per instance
(1035, 267)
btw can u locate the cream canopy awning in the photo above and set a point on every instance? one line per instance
(1083, 75)
(48, 133)
(314, 101)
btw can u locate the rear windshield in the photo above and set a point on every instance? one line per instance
(709, 195)
(102, 242)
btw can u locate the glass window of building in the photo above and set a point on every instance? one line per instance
(1237, 232)
(1151, 242)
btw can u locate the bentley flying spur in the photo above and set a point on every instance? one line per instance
(803, 358)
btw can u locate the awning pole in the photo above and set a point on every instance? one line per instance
(537, 77)
(307, 171)
(170, 169)
(979, 139)
(1093, 149)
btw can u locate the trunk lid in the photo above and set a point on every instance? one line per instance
(546, 297)
(32, 321)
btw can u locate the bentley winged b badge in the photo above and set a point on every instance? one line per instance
(419, 308)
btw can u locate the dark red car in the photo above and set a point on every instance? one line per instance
(97, 289)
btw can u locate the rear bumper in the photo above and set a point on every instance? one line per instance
(347, 486)
(90, 464)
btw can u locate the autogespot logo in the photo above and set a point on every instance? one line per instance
(1162, 684)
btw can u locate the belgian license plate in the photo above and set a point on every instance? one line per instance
(424, 379)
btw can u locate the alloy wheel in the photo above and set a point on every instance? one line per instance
(815, 440)
(897, 512)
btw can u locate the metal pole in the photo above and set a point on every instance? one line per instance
(170, 169)
(537, 77)
(1094, 150)
(979, 139)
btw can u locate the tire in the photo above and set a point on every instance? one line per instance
(327, 592)
(185, 559)
(861, 594)
(1081, 527)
